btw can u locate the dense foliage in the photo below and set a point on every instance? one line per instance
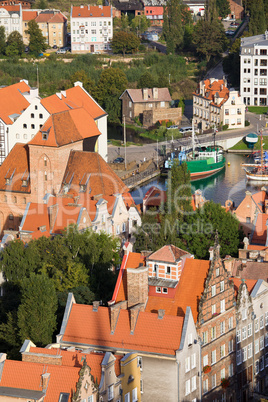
(40, 275)
(37, 42)
(125, 42)
(176, 222)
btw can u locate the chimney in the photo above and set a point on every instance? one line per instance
(78, 84)
(96, 305)
(145, 94)
(45, 379)
(52, 213)
(134, 313)
(246, 243)
(114, 313)
(155, 93)
(137, 285)
(161, 314)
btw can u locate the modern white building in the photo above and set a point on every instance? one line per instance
(91, 29)
(253, 70)
(11, 18)
(215, 104)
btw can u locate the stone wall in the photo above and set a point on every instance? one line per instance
(150, 117)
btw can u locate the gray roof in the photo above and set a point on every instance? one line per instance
(255, 40)
(166, 283)
(21, 393)
(136, 95)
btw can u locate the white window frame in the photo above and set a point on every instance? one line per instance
(223, 306)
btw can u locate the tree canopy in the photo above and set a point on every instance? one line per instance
(257, 22)
(14, 45)
(173, 25)
(37, 42)
(125, 42)
(223, 7)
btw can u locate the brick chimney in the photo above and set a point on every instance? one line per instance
(45, 379)
(137, 285)
(155, 93)
(145, 94)
(96, 305)
(114, 313)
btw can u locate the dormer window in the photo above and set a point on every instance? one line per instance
(82, 188)
(44, 135)
(24, 183)
(65, 188)
(164, 290)
(8, 181)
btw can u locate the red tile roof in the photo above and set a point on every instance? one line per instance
(16, 164)
(151, 334)
(91, 11)
(260, 230)
(58, 18)
(217, 87)
(27, 375)
(66, 127)
(249, 282)
(11, 8)
(103, 180)
(167, 253)
(255, 247)
(74, 97)
(250, 270)
(37, 217)
(44, 17)
(12, 101)
(130, 260)
(28, 15)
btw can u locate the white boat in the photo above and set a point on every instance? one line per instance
(260, 170)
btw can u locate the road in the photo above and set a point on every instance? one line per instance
(149, 151)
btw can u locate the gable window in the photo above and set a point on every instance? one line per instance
(164, 290)
(155, 267)
(190, 339)
(32, 115)
(45, 176)
(193, 361)
(222, 286)
(168, 271)
(110, 392)
(117, 229)
(244, 314)
(40, 116)
(217, 271)
(123, 227)
(158, 290)
(24, 125)
(32, 127)
(222, 306)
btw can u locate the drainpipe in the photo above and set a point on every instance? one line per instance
(178, 364)
(253, 316)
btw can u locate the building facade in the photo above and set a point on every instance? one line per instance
(11, 18)
(91, 29)
(215, 104)
(253, 70)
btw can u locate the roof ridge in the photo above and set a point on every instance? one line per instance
(54, 130)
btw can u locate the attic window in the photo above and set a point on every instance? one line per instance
(130, 379)
(82, 188)
(65, 188)
(102, 14)
(24, 183)
(42, 228)
(64, 397)
(44, 135)
(8, 181)
(164, 290)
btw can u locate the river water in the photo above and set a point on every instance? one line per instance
(231, 183)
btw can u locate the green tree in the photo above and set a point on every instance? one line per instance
(140, 24)
(2, 39)
(42, 5)
(124, 22)
(172, 25)
(14, 46)
(209, 38)
(125, 42)
(37, 43)
(37, 311)
(199, 234)
(257, 22)
(111, 85)
(88, 83)
(147, 81)
(223, 7)
(9, 338)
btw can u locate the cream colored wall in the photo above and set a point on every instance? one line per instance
(59, 38)
(233, 104)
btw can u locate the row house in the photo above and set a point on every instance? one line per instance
(25, 4)
(215, 104)
(23, 112)
(55, 374)
(53, 25)
(166, 346)
(91, 28)
(251, 338)
(179, 282)
(253, 69)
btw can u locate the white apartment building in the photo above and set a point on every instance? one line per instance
(215, 104)
(11, 18)
(91, 29)
(253, 69)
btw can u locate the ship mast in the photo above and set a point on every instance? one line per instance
(193, 142)
(261, 153)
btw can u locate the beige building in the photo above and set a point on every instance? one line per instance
(52, 23)
(214, 104)
(149, 105)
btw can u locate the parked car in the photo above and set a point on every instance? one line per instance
(61, 51)
(172, 127)
(234, 24)
(185, 130)
(55, 47)
(119, 160)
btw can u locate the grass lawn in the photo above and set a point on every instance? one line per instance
(118, 143)
(241, 145)
(258, 109)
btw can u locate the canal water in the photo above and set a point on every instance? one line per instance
(231, 183)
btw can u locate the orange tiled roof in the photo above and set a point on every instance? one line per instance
(91, 11)
(217, 87)
(74, 97)
(191, 286)
(260, 230)
(58, 18)
(11, 8)
(37, 216)
(102, 180)
(44, 17)
(12, 101)
(27, 375)
(28, 15)
(151, 334)
(66, 127)
(167, 253)
(130, 260)
(249, 282)
(17, 163)
(254, 247)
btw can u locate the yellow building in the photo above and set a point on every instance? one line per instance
(131, 381)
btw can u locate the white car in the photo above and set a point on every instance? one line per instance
(61, 51)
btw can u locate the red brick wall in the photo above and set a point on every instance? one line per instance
(43, 359)
(137, 286)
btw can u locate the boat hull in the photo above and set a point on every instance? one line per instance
(200, 169)
(257, 177)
